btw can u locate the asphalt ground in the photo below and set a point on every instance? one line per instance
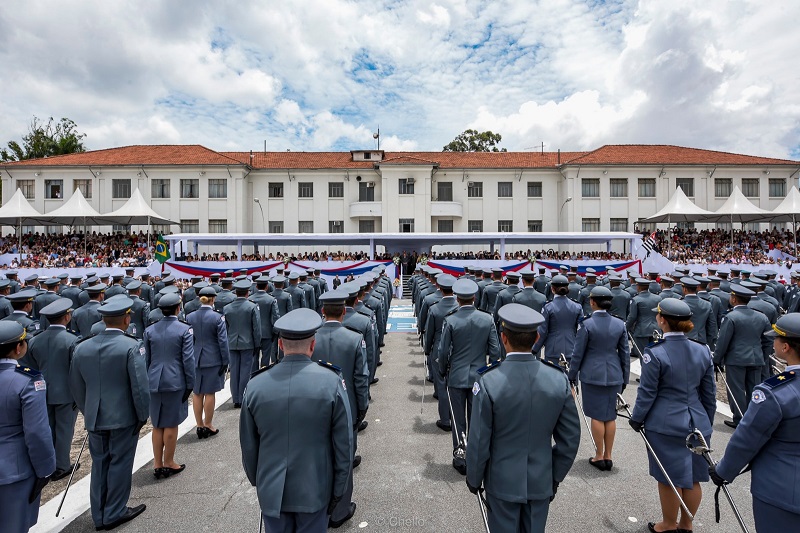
(406, 481)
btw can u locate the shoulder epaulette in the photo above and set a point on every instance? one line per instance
(659, 341)
(353, 329)
(130, 336)
(617, 316)
(780, 379)
(329, 366)
(262, 369)
(28, 371)
(489, 367)
(453, 311)
(76, 333)
(80, 340)
(554, 365)
(698, 341)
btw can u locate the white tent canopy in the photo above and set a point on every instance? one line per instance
(77, 212)
(737, 208)
(789, 209)
(680, 209)
(136, 212)
(17, 211)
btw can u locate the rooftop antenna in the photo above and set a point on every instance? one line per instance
(377, 137)
(265, 146)
(542, 147)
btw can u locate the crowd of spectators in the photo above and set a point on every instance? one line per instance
(72, 250)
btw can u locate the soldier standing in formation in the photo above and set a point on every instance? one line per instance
(560, 323)
(244, 338)
(269, 313)
(432, 339)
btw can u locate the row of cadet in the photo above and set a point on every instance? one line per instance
(459, 339)
(118, 381)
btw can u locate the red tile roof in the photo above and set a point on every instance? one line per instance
(168, 155)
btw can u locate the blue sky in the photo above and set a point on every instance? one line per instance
(324, 74)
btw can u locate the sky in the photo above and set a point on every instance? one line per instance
(315, 75)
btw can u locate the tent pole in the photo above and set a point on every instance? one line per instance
(148, 233)
(19, 233)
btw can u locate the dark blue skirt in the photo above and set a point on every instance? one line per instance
(684, 467)
(167, 410)
(208, 380)
(600, 401)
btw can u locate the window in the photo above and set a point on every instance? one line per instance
(590, 188)
(336, 189)
(217, 188)
(53, 189)
(218, 225)
(619, 188)
(647, 188)
(534, 189)
(505, 189)
(367, 155)
(28, 229)
(120, 228)
(444, 191)
(120, 188)
(406, 185)
(685, 225)
(724, 226)
(649, 227)
(687, 184)
(590, 224)
(445, 226)
(366, 191)
(366, 226)
(535, 226)
(723, 187)
(475, 189)
(777, 187)
(28, 188)
(276, 226)
(619, 224)
(750, 187)
(305, 226)
(190, 188)
(505, 225)
(190, 226)
(475, 226)
(336, 226)
(305, 189)
(85, 186)
(276, 191)
(161, 229)
(54, 230)
(159, 189)
(406, 225)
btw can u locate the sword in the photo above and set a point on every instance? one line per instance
(481, 501)
(260, 522)
(733, 400)
(630, 338)
(702, 449)
(425, 371)
(72, 474)
(657, 335)
(579, 404)
(625, 405)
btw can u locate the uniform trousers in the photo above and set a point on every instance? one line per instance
(277, 354)
(266, 353)
(18, 515)
(462, 411)
(440, 387)
(770, 518)
(241, 368)
(529, 517)
(342, 509)
(297, 522)
(112, 453)
(741, 380)
(62, 426)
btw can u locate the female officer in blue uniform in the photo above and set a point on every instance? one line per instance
(768, 438)
(27, 457)
(602, 358)
(561, 317)
(677, 394)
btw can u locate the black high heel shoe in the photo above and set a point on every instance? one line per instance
(210, 433)
(202, 433)
(167, 471)
(158, 473)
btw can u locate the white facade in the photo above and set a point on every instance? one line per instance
(376, 195)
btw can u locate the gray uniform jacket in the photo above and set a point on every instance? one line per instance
(244, 325)
(557, 332)
(268, 310)
(31, 326)
(429, 301)
(433, 329)
(298, 296)
(311, 298)
(741, 339)
(468, 337)
(677, 392)
(716, 305)
(26, 445)
(5, 307)
(519, 409)
(345, 348)
(139, 315)
(84, 318)
(169, 349)
(298, 454)
(489, 297)
(620, 303)
(602, 354)
(583, 298)
(114, 290)
(210, 338)
(49, 353)
(763, 306)
(191, 306)
(361, 323)
(541, 284)
(641, 319)
(73, 293)
(147, 293)
(224, 297)
(705, 323)
(506, 296)
(108, 379)
(530, 297)
(284, 301)
(41, 301)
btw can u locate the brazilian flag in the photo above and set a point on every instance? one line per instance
(162, 252)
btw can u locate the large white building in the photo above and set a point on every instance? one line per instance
(607, 189)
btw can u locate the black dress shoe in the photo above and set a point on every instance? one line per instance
(460, 467)
(374, 381)
(600, 465)
(158, 473)
(210, 433)
(444, 427)
(167, 471)
(356, 461)
(338, 523)
(363, 426)
(129, 514)
(609, 464)
(435, 396)
(380, 362)
(651, 526)
(237, 406)
(61, 474)
(202, 433)
(730, 424)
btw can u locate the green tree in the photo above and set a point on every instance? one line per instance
(46, 139)
(474, 141)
